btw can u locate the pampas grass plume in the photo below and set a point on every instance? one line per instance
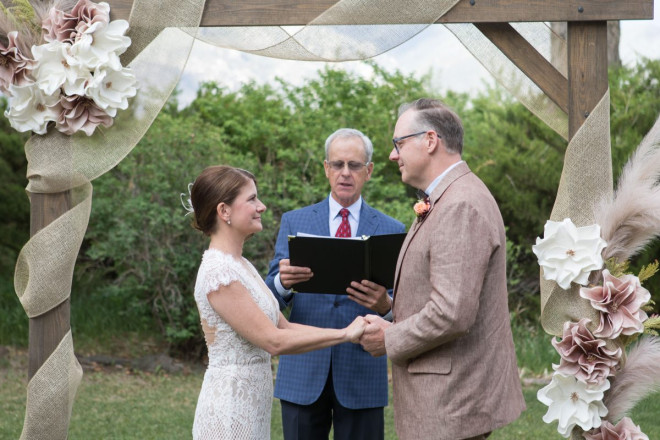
(639, 377)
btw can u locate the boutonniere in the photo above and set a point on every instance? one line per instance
(422, 208)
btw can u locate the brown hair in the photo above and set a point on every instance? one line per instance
(432, 114)
(216, 184)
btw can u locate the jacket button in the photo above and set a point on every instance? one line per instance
(336, 304)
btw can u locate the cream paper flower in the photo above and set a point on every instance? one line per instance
(55, 68)
(568, 253)
(101, 44)
(110, 89)
(572, 402)
(30, 109)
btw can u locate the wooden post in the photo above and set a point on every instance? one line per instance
(587, 70)
(47, 330)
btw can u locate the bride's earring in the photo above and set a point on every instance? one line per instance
(229, 222)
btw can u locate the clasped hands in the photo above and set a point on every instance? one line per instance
(369, 331)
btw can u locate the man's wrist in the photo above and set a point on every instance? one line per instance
(285, 293)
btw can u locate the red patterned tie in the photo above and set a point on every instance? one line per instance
(344, 229)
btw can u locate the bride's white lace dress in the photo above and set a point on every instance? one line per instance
(237, 392)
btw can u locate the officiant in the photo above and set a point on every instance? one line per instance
(343, 386)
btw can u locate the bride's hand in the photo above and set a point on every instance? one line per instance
(355, 329)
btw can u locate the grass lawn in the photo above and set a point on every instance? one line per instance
(128, 405)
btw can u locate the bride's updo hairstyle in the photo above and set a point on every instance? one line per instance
(216, 184)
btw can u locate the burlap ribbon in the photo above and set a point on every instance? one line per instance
(586, 178)
(58, 163)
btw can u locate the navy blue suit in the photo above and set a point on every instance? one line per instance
(360, 380)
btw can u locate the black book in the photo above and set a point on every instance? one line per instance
(336, 262)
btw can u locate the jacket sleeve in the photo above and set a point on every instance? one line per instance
(281, 252)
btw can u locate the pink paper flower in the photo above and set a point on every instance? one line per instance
(67, 27)
(584, 356)
(619, 300)
(422, 208)
(624, 430)
(14, 65)
(88, 14)
(59, 26)
(80, 113)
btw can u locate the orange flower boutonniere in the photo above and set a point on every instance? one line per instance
(422, 208)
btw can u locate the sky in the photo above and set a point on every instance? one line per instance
(451, 66)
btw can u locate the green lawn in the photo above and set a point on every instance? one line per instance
(125, 405)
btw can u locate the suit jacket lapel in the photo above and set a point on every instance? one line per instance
(320, 221)
(451, 177)
(368, 220)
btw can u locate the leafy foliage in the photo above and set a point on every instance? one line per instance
(140, 255)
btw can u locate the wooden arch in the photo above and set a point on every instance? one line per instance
(577, 94)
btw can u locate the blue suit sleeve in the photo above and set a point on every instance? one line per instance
(281, 252)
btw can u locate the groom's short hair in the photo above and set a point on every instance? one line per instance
(432, 114)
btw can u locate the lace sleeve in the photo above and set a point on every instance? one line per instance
(217, 270)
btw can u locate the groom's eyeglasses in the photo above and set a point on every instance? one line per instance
(397, 140)
(338, 165)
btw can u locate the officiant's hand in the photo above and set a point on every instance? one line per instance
(370, 295)
(290, 275)
(373, 338)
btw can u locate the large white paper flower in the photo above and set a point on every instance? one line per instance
(30, 109)
(572, 402)
(568, 253)
(55, 68)
(110, 89)
(101, 44)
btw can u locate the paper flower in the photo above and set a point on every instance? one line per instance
(14, 65)
(55, 68)
(619, 301)
(30, 109)
(624, 430)
(584, 356)
(110, 89)
(422, 208)
(81, 113)
(59, 26)
(64, 27)
(78, 72)
(100, 45)
(572, 402)
(88, 14)
(568, 253)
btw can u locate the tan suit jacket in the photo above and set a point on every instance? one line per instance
(453, 360)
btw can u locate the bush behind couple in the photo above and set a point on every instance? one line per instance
(445, 327)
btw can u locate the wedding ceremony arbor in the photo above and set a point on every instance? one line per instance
(577, 92)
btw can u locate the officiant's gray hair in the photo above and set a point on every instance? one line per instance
(349, 133)
(432, 114)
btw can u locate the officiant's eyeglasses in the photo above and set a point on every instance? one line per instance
(338, 165)
(396, 140)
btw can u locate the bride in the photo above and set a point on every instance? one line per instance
(240, 317)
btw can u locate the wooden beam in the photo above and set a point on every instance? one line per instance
(301, 12)
(587, 70)
(528, 60)
(47, 330)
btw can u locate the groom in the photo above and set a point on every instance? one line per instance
(454, 366)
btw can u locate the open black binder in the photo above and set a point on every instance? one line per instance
(336, 262)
